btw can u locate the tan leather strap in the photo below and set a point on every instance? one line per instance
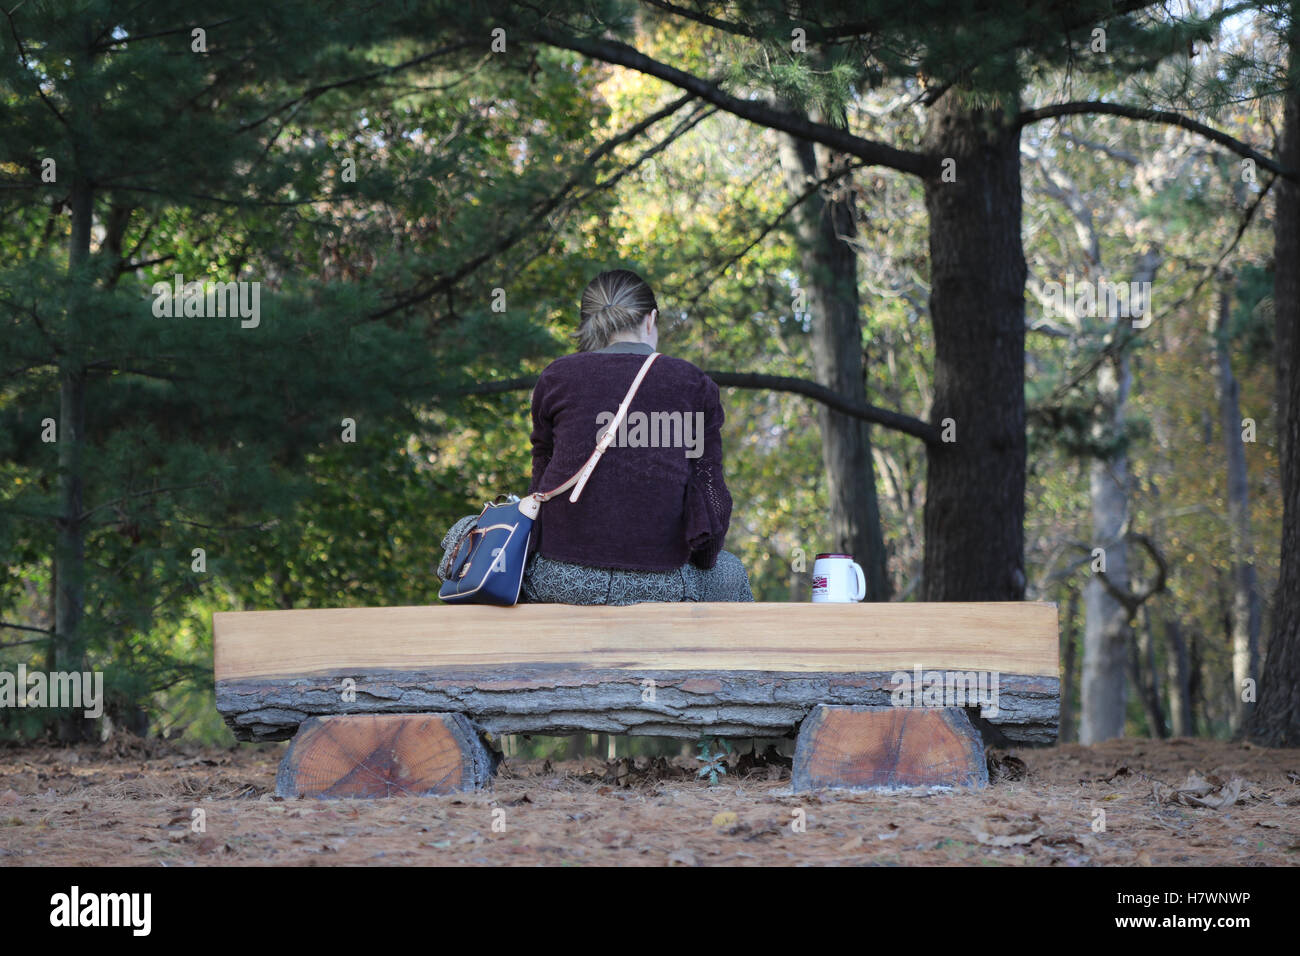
(606, 439)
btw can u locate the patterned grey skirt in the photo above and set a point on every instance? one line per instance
(556, 582)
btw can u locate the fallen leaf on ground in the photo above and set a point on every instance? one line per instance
(1198, 791)
(1000, 830)
(1006, 767)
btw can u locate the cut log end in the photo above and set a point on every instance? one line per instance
(863, 748)
(385, 755)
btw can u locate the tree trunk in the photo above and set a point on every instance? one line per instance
(1276, 721)
(70, 552)
(1147, 679)
(1181, 716)
(1068, 696)
(1245, 592)
(825, 225)
(1108, 632)
(975, 484)
(1196, 701)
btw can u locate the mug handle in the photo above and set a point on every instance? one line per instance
(862, 582)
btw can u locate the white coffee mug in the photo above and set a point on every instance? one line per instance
(838, 578)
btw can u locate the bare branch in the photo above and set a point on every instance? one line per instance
(138, 494)
(1089, 107)
(1133, 600)
(525, 226)
(775, 383)
(1127, 334)
(25, 627)
(1122, 155)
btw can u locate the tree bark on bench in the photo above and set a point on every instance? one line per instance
(679, 670)
(560, 700)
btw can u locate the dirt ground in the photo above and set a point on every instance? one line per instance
(1180, 802)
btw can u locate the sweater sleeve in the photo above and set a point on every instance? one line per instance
(708, 502)
(543, 442)
(543, 436)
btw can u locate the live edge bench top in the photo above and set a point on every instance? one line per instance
(1014, 638)
(680, 670)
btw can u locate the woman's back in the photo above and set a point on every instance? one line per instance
(657, 499)
(650, 522)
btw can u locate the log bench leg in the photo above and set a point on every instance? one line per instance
(861, 748)
(384, 755)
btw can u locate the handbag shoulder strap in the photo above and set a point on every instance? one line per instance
(579, 480)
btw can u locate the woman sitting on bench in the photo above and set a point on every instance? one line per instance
(650, 522)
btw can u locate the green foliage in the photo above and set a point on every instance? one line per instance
(713, 764)
(477, 173)
(375, 296)
(1251, 328)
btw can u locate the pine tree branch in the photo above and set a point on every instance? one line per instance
(857, 29)
(138, 494)
(312, 92)
(187, 29)
(22, 56)
(620, 54)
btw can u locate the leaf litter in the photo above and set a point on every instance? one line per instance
(1181, 802)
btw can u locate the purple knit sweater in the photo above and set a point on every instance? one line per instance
(645, 508)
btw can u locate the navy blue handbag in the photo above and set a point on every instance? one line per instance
(488, 567)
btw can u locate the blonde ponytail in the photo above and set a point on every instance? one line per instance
(613, 302)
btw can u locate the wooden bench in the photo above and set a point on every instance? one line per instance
(397, 700)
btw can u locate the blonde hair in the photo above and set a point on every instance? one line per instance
(613, 302)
